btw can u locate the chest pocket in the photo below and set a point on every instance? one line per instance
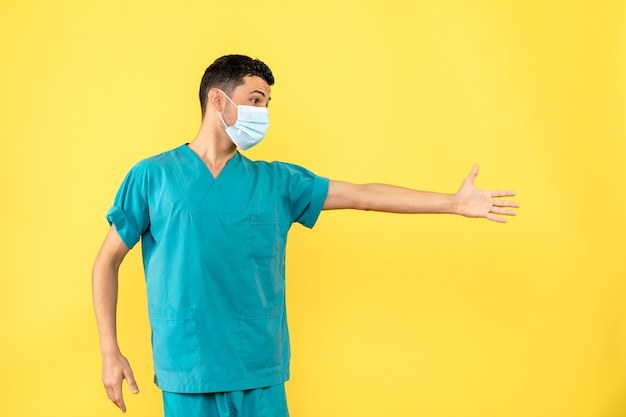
(266, 239)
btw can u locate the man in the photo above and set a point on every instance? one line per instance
(213, 227)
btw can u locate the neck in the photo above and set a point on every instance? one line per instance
(213, 146)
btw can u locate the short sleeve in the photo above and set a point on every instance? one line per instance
(129, 212)
(306, 194)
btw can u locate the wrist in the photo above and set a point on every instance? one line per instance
(455, 204)
(109, 349)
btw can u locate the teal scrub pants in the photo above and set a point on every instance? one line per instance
(261, 402)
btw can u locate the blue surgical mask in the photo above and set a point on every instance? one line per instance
(250, 127)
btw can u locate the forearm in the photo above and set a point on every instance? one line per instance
(104, 291)
(393, 199)
(388, 198)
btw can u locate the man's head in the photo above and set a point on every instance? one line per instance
(228, 72)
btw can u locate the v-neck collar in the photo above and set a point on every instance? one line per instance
(228, 165)
(205, 194)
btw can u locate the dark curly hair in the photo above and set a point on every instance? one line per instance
(228, 72)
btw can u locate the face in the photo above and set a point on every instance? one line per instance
(253, 92)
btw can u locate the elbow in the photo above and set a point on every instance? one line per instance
(104, 266)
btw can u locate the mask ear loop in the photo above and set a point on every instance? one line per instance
(223, 122)
(229, 99)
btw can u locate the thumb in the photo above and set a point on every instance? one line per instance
(130, 380)
(472, 175)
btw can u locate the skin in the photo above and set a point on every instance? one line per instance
(215, 148)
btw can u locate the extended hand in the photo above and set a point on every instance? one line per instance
(479, 203)
(115, 368)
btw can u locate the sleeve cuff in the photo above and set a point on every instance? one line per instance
(127, 232)
(318, 197)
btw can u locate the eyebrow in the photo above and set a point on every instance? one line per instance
(260, 92)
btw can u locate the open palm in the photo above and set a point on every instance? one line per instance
(474, 202)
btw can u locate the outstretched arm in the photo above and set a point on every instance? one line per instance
(468, 201)
(115, 367)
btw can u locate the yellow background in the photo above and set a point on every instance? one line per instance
(391, 315)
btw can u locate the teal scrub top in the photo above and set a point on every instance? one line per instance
(214, 260)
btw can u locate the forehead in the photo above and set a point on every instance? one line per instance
(253, 84)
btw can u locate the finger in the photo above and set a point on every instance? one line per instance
(505, 203)
(495, 218)
(118, 398)
(501, 211)
(110, 393)
(109, 387)
(502, 193)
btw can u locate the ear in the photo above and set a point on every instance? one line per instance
(216, 99)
